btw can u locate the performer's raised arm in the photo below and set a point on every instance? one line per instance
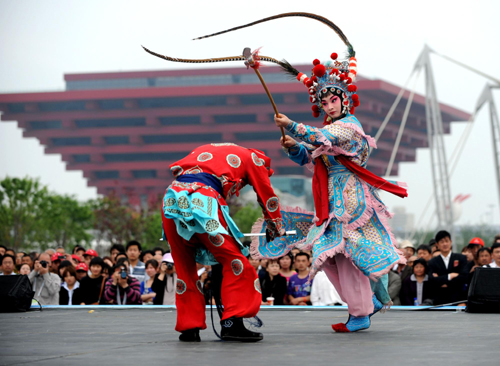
(258, 177)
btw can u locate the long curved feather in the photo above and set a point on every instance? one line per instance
(319, 18)
(285, 65)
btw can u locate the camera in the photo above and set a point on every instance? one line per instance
(44, 264)
(170, 266)
(123, 273)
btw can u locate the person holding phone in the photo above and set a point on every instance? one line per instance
(122, 289)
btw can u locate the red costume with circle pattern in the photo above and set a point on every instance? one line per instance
(235, 167)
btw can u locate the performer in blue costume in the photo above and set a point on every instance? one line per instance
(351, 239)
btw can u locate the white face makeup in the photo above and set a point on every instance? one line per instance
(332, 105)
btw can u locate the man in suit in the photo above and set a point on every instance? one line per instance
(448, 271)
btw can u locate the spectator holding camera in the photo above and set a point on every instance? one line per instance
(92, 286)
(46, 285)
(165, 282)
(122, 288)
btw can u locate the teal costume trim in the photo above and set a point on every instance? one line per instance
(196, 213)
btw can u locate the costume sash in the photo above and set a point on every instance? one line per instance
(320, 184)
(320, 191)
(205, 178)
(372, 179)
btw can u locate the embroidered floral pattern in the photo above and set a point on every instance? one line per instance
(211, 225)
(216, 240)
(237, 266)
(205, 157)
(176, 170)
(180, 287)
(256, 284)
(199, 286)
(233, 160)
(256, 160)
(170, 202)
(183, 202)
(272, 204)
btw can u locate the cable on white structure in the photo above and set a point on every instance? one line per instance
(392, 109)
(402, 127)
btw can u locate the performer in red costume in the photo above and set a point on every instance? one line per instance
(198, 227)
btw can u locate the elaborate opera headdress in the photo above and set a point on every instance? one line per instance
(332, 75)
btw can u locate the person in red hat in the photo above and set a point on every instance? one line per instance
(81, 271)
(88, 255)
(199, 229)
(56, 259)
(474, 245)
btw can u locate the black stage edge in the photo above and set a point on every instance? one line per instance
(103, 336)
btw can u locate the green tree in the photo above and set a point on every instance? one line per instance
(246, 216)
(119, 223)
(32, 217)
(21, 207)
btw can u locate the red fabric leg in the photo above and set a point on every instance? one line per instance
(240, 292)
(189, 300)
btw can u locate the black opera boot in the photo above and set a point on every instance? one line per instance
(190, 335)
(233, 329)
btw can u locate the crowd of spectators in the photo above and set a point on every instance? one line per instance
(432, 275)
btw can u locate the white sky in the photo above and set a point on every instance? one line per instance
(43, 40)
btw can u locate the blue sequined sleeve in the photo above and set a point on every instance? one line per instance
(299, 154)
(306, 133)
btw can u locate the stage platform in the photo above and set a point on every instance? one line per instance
(292, 336)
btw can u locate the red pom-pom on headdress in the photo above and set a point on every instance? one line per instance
(341, 77)
(309, 83)
(319, 70)
(351, 111)
(316, 62)
(334, 56)
(316, 114)
(355, 103)
(352, 88)
(314, 79)
(349, 80)
(315, 108)
(311, 99)
(355, 97)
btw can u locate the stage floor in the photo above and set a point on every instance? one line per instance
(139, 336)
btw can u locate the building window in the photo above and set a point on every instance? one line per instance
(179, 102)
(300, 117)
(141, 174)
(45, 125)
(116, 140)
(165, 156)
(71, 141)
(74, 105)
(235, 118)
(81, 158)
(200, 137)
(180, 120)
(107, 174)
(112, 122)
(260, 99)
(109, 104)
